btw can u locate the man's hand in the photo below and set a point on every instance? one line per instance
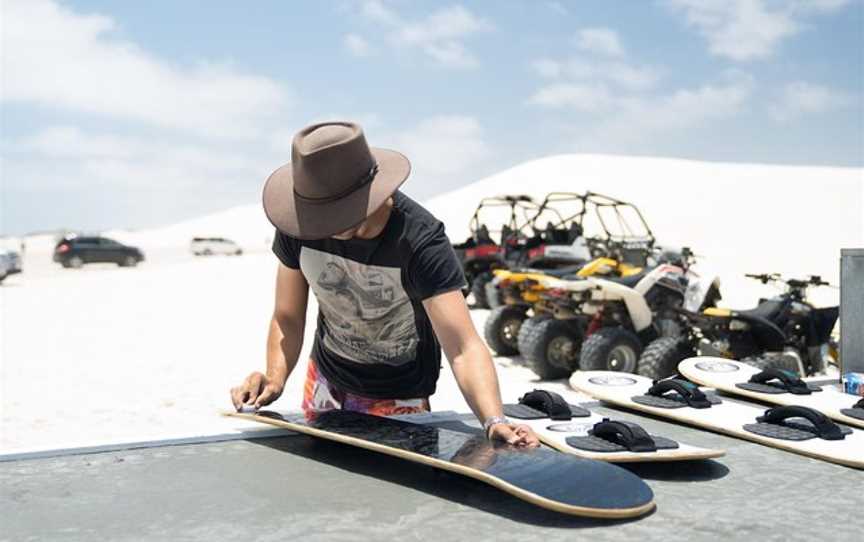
(257, 390)
(515, 434)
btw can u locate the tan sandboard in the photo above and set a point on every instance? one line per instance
(542, 477)
(728, 417)
(554, 433)
(725, 375)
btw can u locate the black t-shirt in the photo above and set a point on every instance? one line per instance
(374, 337)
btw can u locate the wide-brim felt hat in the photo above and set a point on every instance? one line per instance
(333, 182)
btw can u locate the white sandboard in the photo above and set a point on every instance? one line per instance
(555, 434)
(725, 416)
(726, 375)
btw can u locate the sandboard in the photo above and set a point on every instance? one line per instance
(573, 429)
(775, 387)
(725, 416)
(566, 484)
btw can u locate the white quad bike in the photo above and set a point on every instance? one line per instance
(604, 323)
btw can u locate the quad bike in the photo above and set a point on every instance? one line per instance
(784, 332)
(604, 323)
(480, 254)
(618, 232)
(556, 241)
(519, 294)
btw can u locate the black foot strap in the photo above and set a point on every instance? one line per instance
(618, 436)
(540, 404)
(857, 410)
(675, 393)
(773, 380)
(775, 423)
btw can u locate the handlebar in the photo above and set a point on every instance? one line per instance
(811, 280)
(764, 278)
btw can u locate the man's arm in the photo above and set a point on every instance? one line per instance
(284, 341)
(472, 364)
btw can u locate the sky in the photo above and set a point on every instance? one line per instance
(138, 114)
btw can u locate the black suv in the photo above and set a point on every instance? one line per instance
(76, 251)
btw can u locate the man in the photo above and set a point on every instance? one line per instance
(388, 286)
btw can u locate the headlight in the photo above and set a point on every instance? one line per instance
(738, 325)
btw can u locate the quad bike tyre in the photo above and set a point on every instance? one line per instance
(525, 331)
(786, 363)
(493, 295)
(502, 329)
(611, 349)
(668, 327)
(662, 356)
(551, 348)
(478, 288)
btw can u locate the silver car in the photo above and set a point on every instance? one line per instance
(10, 263)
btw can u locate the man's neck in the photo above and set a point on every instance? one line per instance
(376, 222)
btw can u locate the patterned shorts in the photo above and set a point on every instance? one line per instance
(320, 395)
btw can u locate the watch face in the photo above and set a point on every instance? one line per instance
(493, 421)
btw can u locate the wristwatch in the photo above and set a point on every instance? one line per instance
(493, 420)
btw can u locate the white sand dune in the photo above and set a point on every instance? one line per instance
(740, 217)
(105, 354)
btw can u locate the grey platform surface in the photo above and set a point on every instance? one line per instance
(295, 487)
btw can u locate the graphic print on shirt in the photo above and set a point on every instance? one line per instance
(367, 313)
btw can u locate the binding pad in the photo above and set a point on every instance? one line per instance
(857, 410)
(686, 394)
(775, 423)
(541, 404)
(619, 436)
(773, 380)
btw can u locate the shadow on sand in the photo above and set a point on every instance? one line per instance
(442, 484)
(703, 470)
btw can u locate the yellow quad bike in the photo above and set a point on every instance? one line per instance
(522, 303)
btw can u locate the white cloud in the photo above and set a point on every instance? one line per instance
(451, 54)
(59, 59)
(629, 76)
(639, 119)
(357, 45)
(801, 98)
(579, 70)
(440, 35)
(443, 146)
(93, 159)
(818, 6)
(745, 30)
(547, 68)
(558, 7)
(578, 97)
(446, 24)
(376, 11)
(603, 41)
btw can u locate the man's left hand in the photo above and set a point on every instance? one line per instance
(515, 434)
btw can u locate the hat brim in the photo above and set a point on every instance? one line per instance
(305, 220)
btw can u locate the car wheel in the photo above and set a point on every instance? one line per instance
(75, 262)
(129, 261)
(207, 252)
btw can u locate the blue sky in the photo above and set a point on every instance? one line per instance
(135, 114)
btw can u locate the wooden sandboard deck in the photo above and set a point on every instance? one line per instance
(723, 374)
(728, 417)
